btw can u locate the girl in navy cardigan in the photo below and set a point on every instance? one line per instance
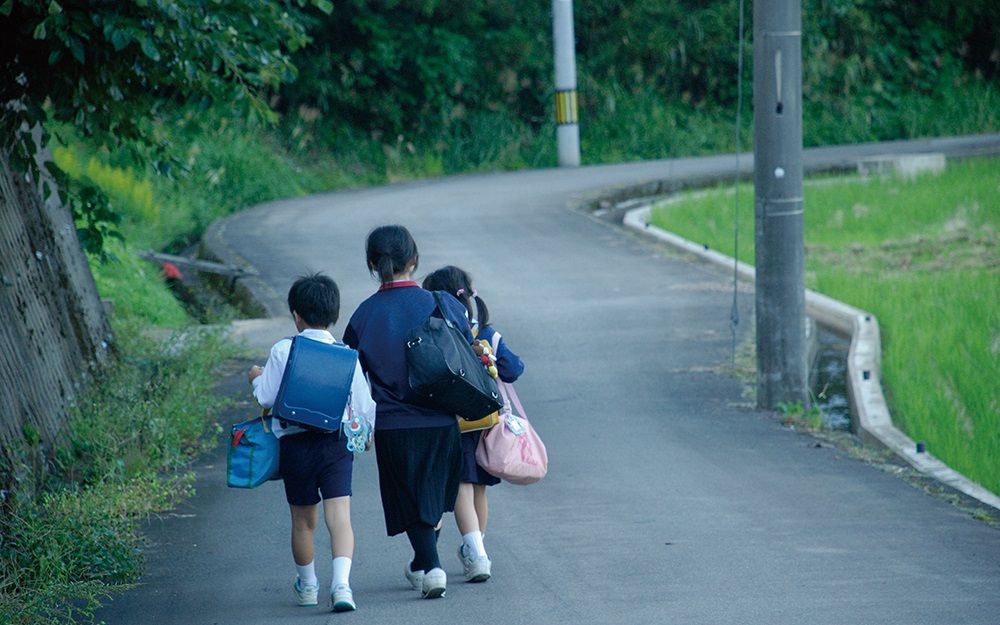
(417, 446)
(471, 507)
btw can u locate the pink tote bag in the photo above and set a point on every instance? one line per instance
(511, 450)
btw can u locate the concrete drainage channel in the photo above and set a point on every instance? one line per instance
(869, 413)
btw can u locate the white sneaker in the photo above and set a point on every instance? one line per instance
(476, 569)
(306, 594)
(435, 582)
(342, 598)
(416, 578)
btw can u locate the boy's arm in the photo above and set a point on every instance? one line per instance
(266, 382)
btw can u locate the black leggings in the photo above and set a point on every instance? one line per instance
(423, 539)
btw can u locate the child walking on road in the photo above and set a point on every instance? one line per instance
(315, 466)
(417, 445)
(471, 506)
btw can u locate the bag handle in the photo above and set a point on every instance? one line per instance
(444, 317)
(238, 434)
(440, 308)
(510, 398)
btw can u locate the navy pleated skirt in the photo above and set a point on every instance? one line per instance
(418, 474)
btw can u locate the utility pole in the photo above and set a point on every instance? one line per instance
(567, 122)
(782, 370)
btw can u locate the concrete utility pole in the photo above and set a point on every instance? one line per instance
(567, 122)
(782, 370)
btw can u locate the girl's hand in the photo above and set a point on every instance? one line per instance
(255, 372)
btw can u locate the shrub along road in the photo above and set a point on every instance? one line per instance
(670, 498)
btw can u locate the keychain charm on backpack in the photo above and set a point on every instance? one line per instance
(489, 358)
(356, 431)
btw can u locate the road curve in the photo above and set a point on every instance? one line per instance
(670, 499)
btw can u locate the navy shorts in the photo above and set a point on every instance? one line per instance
(315, 466)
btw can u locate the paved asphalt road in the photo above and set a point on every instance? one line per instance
(670, 499)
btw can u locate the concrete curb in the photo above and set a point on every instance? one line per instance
(869, 410)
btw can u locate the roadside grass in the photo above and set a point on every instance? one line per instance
(70, 517)
(70, 531)
(923, 255)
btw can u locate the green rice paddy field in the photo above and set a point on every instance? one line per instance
(923, 255)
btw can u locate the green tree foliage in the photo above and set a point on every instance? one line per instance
(430, 70)
(684, 51)
(418, 67)
(108, 69)
(866, 63)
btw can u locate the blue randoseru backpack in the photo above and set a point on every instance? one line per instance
(316, 384)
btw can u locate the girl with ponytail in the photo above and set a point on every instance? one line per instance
(417, 446)
(471, 507)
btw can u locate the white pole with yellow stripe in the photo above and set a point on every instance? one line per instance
(567, 122)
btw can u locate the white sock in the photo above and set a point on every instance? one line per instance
(341, 571)
(307, 573)
(473, 543)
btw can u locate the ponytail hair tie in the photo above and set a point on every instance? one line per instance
(459, 292)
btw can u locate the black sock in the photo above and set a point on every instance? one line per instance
(424, 543)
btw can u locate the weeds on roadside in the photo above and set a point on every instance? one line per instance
(794, 413)
(69, 528)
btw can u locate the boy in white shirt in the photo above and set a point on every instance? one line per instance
(316, 466)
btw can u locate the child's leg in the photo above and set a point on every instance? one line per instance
(337, 512)
(433, 580)
(465, 509)
(468, 523)
(482, 506)
(304, 522)
(424, 543)
(338, 521)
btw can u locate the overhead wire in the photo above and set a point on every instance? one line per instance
(734, 314)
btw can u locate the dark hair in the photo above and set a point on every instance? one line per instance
(317, 300)
(389, 250)
(458, 282)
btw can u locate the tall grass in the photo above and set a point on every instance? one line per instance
(922, 255)
(941, 358)
(485, 141)
(69, 528)
(626, 126)
(225, 168)
(130, 195)
(121, 275)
